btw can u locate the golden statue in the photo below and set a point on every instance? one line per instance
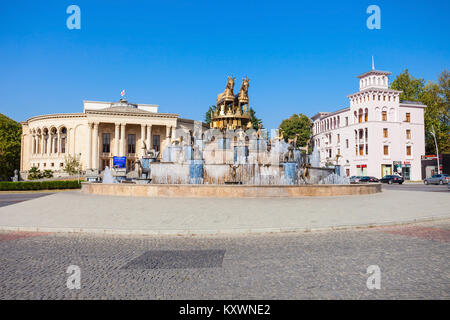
(232, 111)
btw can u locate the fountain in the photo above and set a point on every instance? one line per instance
(108, 177)
(232, 159)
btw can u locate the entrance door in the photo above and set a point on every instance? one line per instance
(105, 163)
(386, 169)
(406, 173)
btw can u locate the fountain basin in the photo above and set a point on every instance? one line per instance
(228, 191)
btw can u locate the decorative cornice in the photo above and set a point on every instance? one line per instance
(373, 90)
(56, 116)
(144, 114)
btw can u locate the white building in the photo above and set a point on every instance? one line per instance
(376, 135)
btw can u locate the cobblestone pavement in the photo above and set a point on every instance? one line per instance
(414, 263)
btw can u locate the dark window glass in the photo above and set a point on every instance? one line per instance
(131, 143)
(106, 142)
(156, 142)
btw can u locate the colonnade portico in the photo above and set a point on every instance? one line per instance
(121, 141)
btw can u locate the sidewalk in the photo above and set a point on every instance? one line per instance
(75, 212)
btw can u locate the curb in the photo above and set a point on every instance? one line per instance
(235, 231)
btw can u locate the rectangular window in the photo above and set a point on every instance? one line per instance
(106, 141)
(384, 116)
(339, 152)
(361, 149)
(408, 150)
(408, 117)
(346, 121)
(156, 142)
(131, 143)
(367, 149)
(338, 138)
(386, 150)
(408, 134)
(385, 132)
(346, 143)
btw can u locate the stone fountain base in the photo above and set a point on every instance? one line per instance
(228, 191)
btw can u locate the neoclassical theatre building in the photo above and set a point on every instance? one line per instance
(103, 130)
(376, 135)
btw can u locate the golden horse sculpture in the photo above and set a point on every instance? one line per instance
(243, 92)
(228, 94)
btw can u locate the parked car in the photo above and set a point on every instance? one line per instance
(392, 179)
(437, 179)
(354, 179)
(368, 179)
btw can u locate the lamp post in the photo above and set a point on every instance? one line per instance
(79, 162)
(437, 151)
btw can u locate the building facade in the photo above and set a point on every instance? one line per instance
(103, 130)
(376, 135)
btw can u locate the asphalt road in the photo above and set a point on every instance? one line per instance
(416, 187)
(413, 262)
(7, 199)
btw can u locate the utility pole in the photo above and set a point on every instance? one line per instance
(79, 163)
(437, 151)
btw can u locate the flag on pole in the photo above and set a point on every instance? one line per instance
(122, 93)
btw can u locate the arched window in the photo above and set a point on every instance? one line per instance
(360, 115)
(366, 115)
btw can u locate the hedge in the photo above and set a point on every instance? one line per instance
(39, 185)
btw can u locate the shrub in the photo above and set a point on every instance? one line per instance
(34, 173)
(47, 174)
(39, 185)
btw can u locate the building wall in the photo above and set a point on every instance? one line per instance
(372, 101)
(80, 136)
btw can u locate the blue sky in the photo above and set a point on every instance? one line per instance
(301, 57)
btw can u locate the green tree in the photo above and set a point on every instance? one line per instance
(71, 165)
(297, 124)
(255, 121)
(10, 139)
(412, 88)
(208, 114)
(436, 97)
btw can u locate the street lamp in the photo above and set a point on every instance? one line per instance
(437, 151)
(79, 163)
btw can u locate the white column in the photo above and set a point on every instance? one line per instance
(95, 153)
(122, 139)
(142, 140)
(116, 140)
(89, 159)
(58, 144)
(50, 144)
(33, 148)
(149, 137)
(42, 144)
